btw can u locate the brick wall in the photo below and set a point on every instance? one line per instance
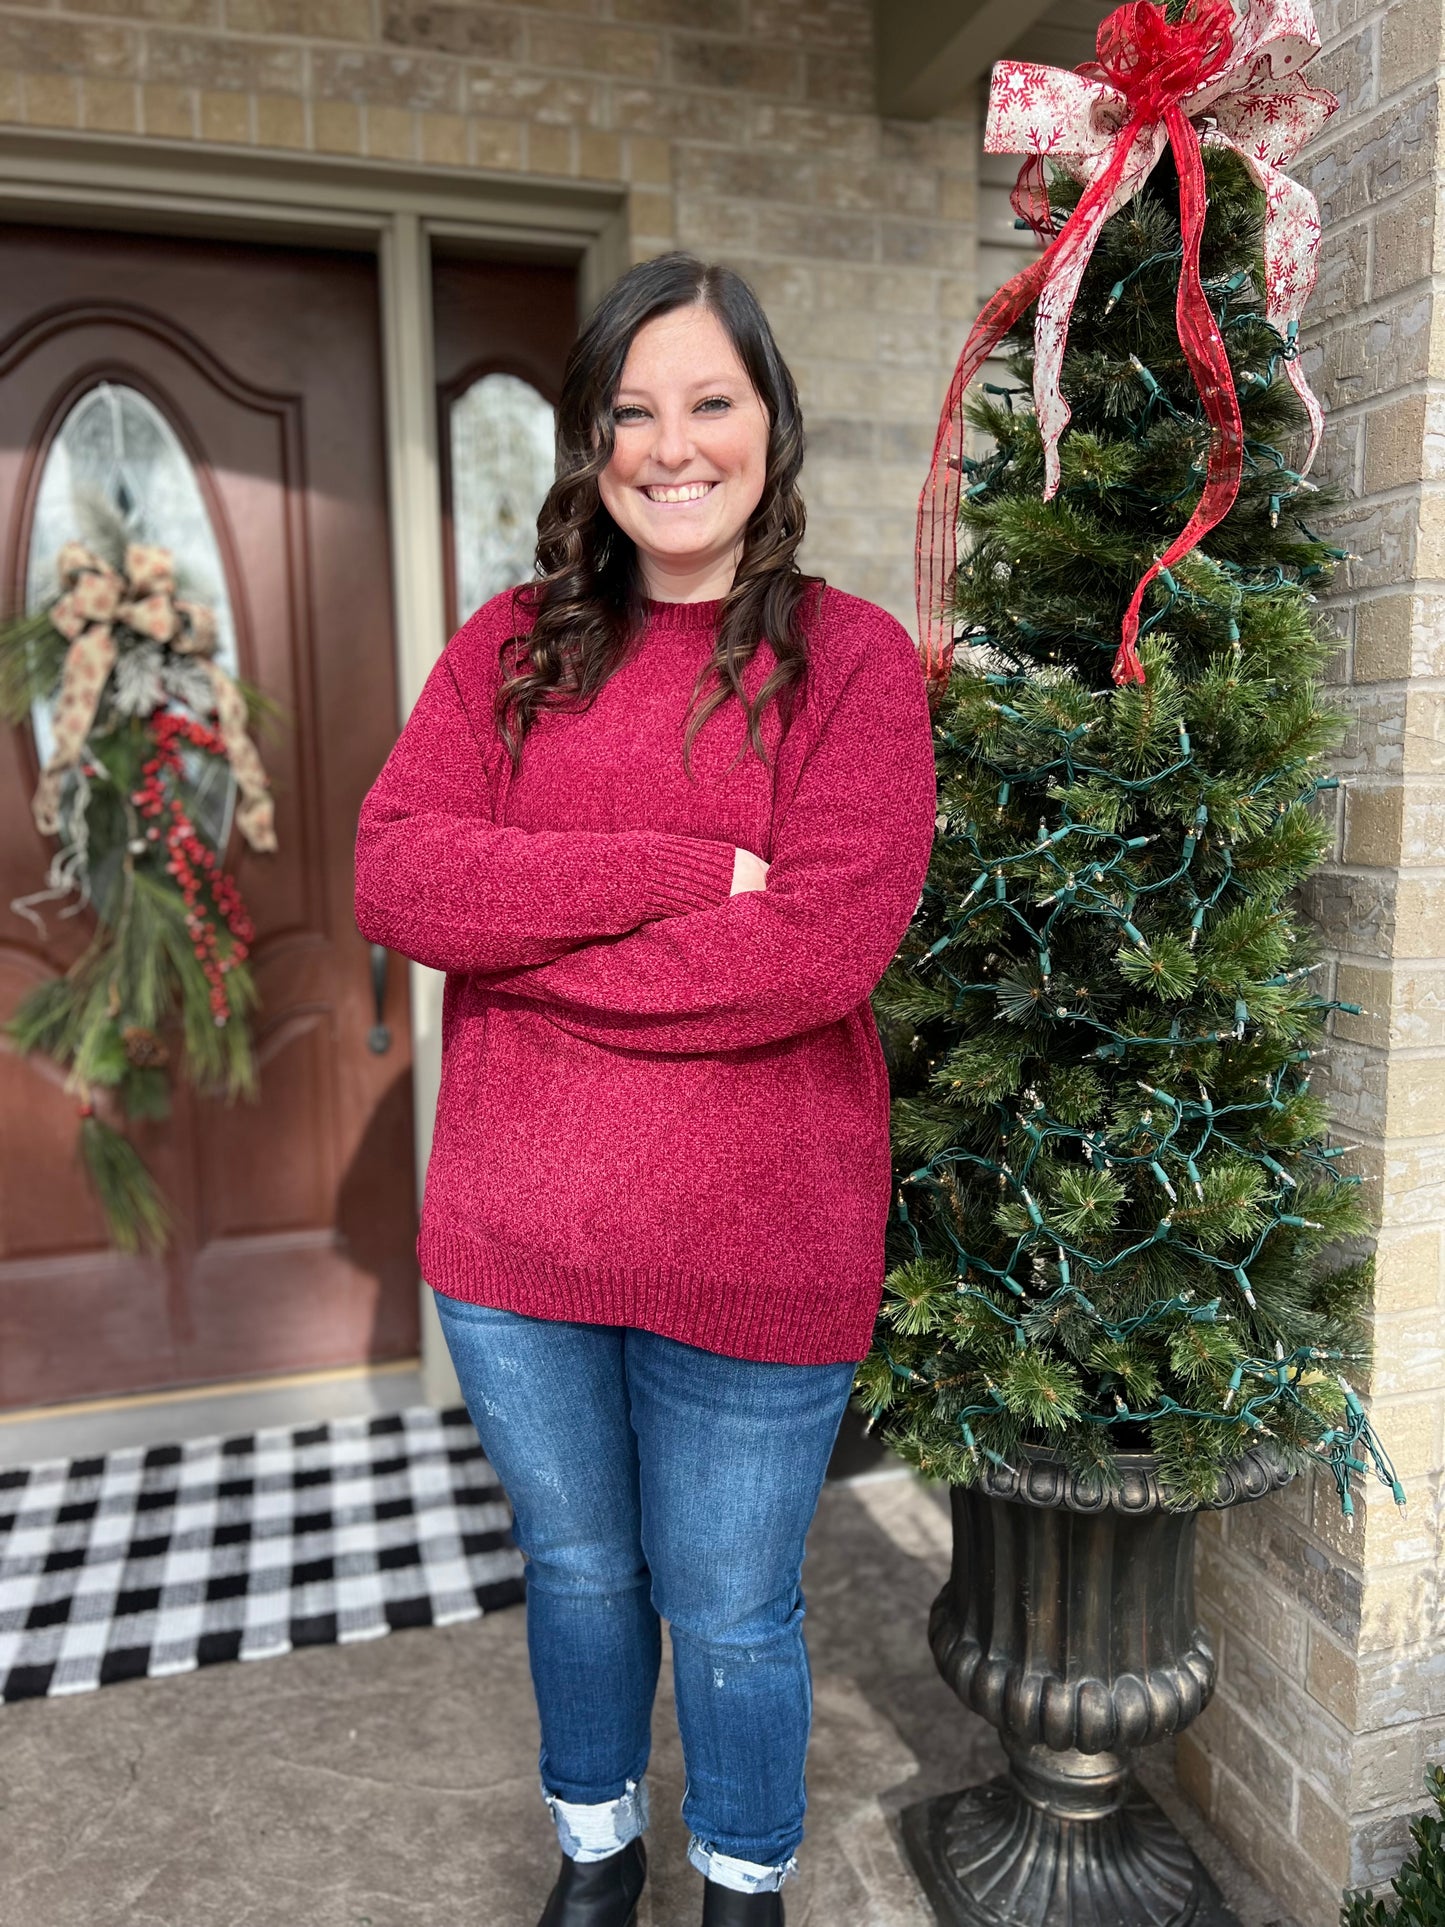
(1332, 1684)
(741, 128)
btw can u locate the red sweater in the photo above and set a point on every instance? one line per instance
(661, 1105)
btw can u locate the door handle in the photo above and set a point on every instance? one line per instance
(378, 1038)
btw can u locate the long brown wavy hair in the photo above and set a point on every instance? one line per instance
(587, 599)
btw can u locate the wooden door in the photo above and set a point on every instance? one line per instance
(296, 1215)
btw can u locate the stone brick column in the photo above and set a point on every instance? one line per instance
(1332, 1642)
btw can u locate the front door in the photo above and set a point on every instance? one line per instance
(295, 1216)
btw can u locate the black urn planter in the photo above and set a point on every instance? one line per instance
(1068, 1622)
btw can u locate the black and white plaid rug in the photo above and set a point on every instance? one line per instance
(154, 1561)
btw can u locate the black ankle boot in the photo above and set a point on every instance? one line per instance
(722, 1907)
(598, 1893)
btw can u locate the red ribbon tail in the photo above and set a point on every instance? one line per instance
(1208, 360)
(935, 554)
(1127, 666)
(936, 547)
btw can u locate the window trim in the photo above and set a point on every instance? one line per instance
(448, 397)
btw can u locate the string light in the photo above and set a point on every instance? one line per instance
(1119, 857)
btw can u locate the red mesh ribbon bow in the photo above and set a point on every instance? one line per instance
(1217, 75)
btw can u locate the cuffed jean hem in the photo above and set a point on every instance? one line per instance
(596, 1830)
(743, 1876)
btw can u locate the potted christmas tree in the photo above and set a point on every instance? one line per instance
(1112, 1299)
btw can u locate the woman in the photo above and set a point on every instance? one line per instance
(655, 1206)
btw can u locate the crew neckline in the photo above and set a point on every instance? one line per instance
(683, 615)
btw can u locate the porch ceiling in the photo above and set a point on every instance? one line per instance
(930, 52)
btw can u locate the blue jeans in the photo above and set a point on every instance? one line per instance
(652, 1480)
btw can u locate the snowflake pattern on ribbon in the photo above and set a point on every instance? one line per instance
(1218, 76)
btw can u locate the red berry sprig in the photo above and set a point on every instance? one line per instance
(190, 860)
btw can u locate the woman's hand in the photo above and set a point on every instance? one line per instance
(749, 872)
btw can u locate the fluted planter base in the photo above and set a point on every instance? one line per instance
(1068, 1623)
(989, 1857)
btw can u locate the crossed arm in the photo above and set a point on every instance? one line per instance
(594, 930)
(439, 880)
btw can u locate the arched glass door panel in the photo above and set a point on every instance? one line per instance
(502, 463)
(116, 473)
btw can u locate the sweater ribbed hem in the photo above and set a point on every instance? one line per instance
(696, 872)
(769, 1323)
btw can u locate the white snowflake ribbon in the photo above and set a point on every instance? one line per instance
(1214, 73)
(1260, 107)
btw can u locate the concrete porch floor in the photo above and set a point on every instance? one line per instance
(393, 1784)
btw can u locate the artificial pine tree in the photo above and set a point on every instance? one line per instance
(1114, 1197)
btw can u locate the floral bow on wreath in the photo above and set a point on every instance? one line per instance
(1215, 75)
(97, 599)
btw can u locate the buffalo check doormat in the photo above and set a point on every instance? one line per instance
(152, 1561)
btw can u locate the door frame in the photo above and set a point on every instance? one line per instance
(399, 212)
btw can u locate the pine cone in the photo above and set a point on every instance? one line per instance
(143, 1048)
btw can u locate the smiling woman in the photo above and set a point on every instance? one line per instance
(660, 1174)
(690, 457)
(675, 379)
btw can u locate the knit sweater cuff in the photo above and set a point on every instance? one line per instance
(694, 873)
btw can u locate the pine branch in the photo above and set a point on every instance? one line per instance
(32, 651)
(1117, 1212)
(136, 1213)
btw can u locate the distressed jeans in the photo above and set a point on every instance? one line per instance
(653, 1480)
